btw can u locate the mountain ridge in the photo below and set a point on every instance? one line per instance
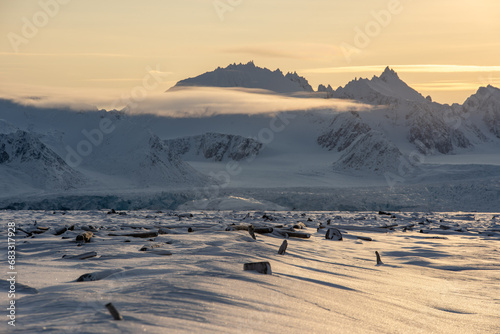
(402, 134)
(248, 76)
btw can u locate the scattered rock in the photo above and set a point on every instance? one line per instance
(333, 234)
(84, 237)
(287, 233)
(268, 218)
(379, 260)
(98, 275)
(150, 247)
(260, 267)
(300, 225)
(263, 230)
(251, 232)
(234, 227)
(365, 238)
(260, 230)
(283, 247)
(114, 312)
(136, 235)
(61, 230)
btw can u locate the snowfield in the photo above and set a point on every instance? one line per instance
(440, 272)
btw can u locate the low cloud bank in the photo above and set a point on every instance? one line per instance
(191, 102)
(208, 101)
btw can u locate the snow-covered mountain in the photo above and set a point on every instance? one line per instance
(405, 115)
(25, 162)
(363, 149)
(371, 151)
(430, 131)
(161, 159)
(385, 89)
(215, 146)
(249, 76)
(67, 150)
(138, 157)
(485, 104)
(343, 131)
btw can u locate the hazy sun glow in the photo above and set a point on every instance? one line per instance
(443, 48)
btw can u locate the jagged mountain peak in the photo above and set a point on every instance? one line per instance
(233, 66)
(249, 76)
(486, 103)
(488, 90)
(482, 95)
(388, 74)
(387, 88)
(215, 146)
(323, 88)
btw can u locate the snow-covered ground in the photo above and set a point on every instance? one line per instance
(440, 273)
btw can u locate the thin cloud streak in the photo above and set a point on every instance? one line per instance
(450, 86)
(429, 68)
(111, 55)
(285, 50)
(111, 80)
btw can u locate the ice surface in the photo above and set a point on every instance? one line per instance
(440, 276)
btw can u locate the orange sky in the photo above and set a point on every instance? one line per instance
(103, 49)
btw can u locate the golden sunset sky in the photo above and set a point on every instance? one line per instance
(102, 49)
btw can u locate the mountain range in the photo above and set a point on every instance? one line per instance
(398, 138)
